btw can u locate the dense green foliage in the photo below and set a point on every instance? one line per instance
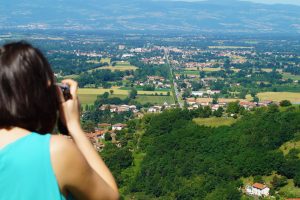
(187, 161)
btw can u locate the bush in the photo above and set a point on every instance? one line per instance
(285, 103)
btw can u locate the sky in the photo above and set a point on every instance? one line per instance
(294, 2)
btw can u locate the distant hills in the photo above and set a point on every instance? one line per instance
(228, 16)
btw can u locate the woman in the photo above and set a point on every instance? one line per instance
(33, 163)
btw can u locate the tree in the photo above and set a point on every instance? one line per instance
(285, 103)
(278, 182)
(111, 91)
(297, 179)
(233, 107)
(133, 93)
(215, 99)
(88, 126)
(105, 95)
(107, 137)
(255, 99)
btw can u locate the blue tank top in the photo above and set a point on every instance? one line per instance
(26, 171)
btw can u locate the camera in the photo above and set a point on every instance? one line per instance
(65, 90)
(67, 95)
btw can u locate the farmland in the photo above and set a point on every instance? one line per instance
(121, 66)
(278, 96)
(89, 95)
(155, 99)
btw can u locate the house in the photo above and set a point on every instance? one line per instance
(265, 103)
(118, 127)
(198, 93)
(155, 109)
(248, 105)
(258, 189)
(100, 134)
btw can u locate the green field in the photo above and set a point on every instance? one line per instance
(89, 95)
(143, 99)
(105, 60)
(290, 76)
(205, 69)
(215, 122)
(120, 65)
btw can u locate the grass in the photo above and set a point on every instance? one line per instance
(270, 70)
(143, 99)
(94, 61)
(89, 95)
(278, 96)
(73, 76)
(205, 69)
(290, 76)
(286, 147)
(290, 190)
(120, 65)
(105, 60)
(214, 121)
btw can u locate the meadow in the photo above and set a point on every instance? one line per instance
(215, 121)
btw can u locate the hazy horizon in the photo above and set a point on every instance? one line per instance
(292, 2)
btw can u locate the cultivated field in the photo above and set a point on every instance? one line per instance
(205, 69)
(121, 66)
(205, 100)
(215, 121)
(278, 96)
(293, 77)
(229, 47)
(105, 60)
(155, 99)
(89, 95)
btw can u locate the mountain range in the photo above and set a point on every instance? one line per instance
(227, 16)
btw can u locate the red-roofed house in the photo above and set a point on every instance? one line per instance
(258, 189)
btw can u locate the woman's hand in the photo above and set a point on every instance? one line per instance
(69, 109)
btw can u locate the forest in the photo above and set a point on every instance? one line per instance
(183, 160)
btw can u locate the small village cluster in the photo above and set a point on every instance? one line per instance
(98, 135)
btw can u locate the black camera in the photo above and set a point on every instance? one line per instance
(65, 90)
(67, 95)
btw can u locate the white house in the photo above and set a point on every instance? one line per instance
(198, 93)
(118, 127)
(258, 189)
(155, 109)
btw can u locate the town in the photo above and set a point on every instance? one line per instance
(127, 82)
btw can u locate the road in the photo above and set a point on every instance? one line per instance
(176, 93)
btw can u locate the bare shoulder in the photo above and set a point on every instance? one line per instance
(61, 144)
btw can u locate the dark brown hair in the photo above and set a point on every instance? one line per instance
(28, 97)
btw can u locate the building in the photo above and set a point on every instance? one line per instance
(198, 93)
(118, 127)
(258, 189)
(155, 109)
